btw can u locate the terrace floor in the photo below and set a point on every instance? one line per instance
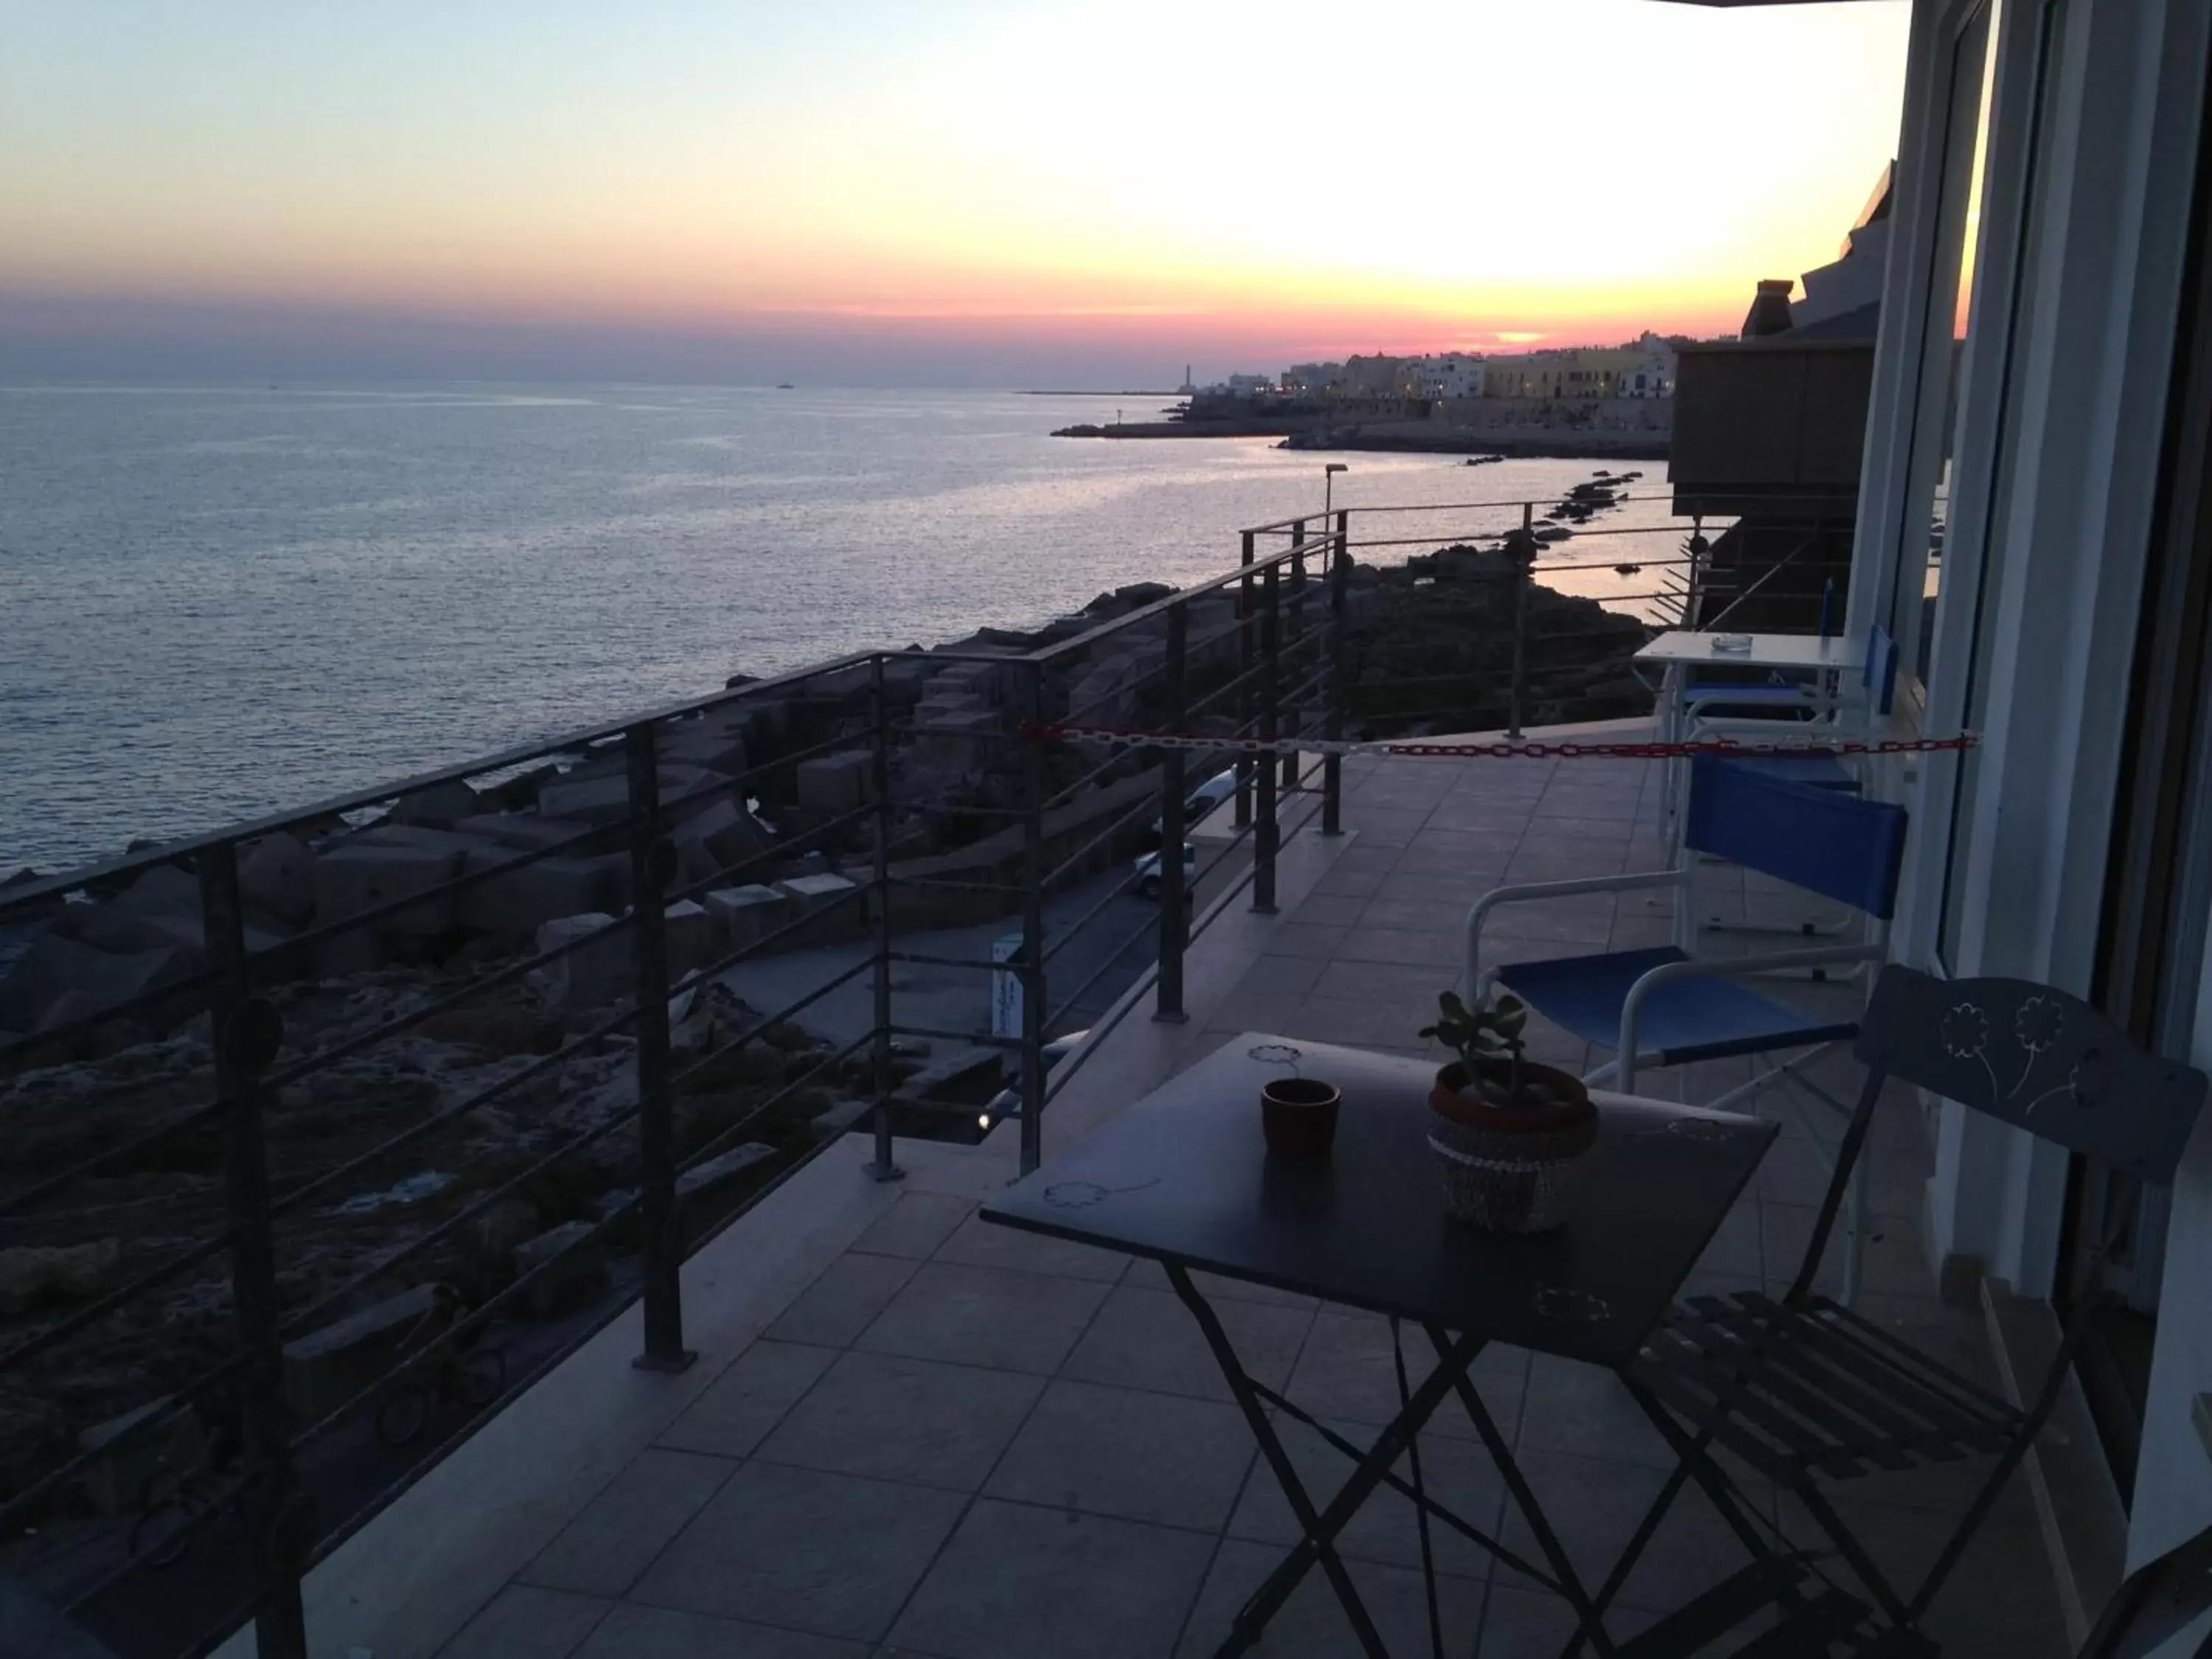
(910, 1433)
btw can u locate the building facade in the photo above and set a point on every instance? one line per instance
(1449, 374)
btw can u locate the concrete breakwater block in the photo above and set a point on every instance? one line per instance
(324, 1369)
(519, 902)
(526, 831)
(715, 838)
(587, 800)
(276, 877)
(699, 1190)
(117, 1482)
(593, 974)
(440, 807)
(691, 933)
(836, 783)
(746, 915)
(362, 874)
(56, 980)
(817, 896)
(606, 970)
(564, 1266)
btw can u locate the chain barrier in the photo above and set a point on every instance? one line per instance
(1115, 737)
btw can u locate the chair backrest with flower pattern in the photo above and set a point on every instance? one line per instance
(2025, 1052)
(2037, 1058)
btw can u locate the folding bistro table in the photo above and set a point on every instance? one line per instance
(1183, 1177)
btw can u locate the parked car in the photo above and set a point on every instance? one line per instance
(1007, 1102)
(1203, 800)
(1149, 870)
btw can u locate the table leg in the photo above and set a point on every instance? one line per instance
(1320, 1527)
(1420, 1501)
(1569, 1584)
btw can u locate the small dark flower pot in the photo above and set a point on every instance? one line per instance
(1299, 1116)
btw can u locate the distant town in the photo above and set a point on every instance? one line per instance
(1644, 367)
(1568, 400)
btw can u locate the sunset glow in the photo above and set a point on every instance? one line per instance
(1226, 183)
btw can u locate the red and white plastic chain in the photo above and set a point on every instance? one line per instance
(1508, 748)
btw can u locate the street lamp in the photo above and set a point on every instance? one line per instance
(1328, 490)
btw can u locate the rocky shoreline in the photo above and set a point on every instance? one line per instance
(1406, 437)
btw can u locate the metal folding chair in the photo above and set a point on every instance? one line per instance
(1805, 1392)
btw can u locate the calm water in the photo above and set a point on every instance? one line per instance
(216, 602)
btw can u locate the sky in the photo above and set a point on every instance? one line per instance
(946, 193)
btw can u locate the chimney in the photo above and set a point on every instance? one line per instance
(1770, 309)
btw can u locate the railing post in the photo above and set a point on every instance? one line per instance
(1243, 818)
(1174, 902)
(660, 1228)
(1339, 594)
(1521, 549)
(1297, 638)
(1033, 1008)
(247, 1033)
(1268, 835)
(882, 1168)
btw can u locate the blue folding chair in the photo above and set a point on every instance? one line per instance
(1667, 1006)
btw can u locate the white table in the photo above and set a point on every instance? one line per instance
(1680, 649)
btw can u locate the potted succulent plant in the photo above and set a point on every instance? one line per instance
(1509, 1133)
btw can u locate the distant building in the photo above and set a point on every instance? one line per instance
(1645, 369)
(1245, 386)
(1311, 379)
(1449, 374)
(1372, 377)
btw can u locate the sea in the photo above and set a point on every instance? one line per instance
(215, 602)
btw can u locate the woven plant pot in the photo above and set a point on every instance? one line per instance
(1511, 1168)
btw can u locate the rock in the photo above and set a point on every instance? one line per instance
(836, 783)
(700, 1189)
(276, 877)
(117, 1482)
(746, 915)
(362, 874)
(561, 1268)
(591, 974)
(31, 1274)
(502, 1031)
(440, 807)
(324, 1369)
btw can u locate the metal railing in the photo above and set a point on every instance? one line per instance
(330, 1131)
